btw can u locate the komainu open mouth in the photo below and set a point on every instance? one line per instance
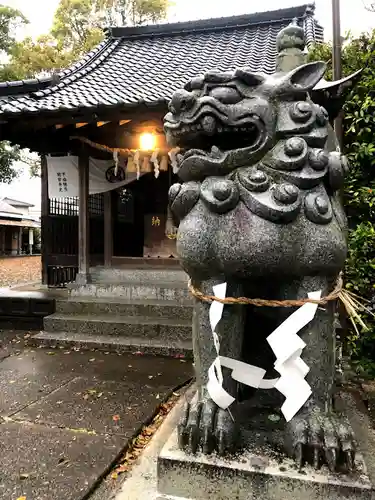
(207, 136)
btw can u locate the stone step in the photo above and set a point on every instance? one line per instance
(149, 308)
(177, 291)
(110, 343)
(139, 276)
(163, 329)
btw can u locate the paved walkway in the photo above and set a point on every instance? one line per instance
(65, 416)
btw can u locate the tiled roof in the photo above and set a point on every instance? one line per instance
(7, 209)
(145, 65)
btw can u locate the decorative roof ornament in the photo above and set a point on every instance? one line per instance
(290, 44)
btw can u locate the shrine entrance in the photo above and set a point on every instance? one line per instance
(131, 224)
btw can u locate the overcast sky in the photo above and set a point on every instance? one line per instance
(354, 17)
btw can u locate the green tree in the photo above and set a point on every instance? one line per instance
(359, 195)
(32, 57)
(10, 20)
(78, 26)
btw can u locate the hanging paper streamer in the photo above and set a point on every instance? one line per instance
(154, 161)
(116, 160)
(164, 164)
(137, 165)
(215, 375)
(146, 165)
(130, 166)
(173, 157)
(286, 345)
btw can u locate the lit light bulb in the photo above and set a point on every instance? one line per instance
(147, 141)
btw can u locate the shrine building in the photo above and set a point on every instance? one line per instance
(98, 126)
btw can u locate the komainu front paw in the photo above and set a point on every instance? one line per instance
(318, 438)
(207, 427)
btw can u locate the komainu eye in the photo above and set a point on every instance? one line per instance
(226, 95)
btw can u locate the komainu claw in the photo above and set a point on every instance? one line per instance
(331, 457)
(205, 427)
(316, 458)
(299, 455)
(320, 438)
(221, 445)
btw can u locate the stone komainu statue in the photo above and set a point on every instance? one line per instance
(259, 208)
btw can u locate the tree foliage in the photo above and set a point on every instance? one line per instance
(359, 195)
(78, 26)
(10, 20)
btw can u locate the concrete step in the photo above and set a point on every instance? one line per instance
(163, 329)
(177, 291)
(135, 307)
(138, 276)
(110, 343)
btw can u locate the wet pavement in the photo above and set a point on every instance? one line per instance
(66, 416)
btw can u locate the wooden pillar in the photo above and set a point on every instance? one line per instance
(45, 233)
(20, 234)
(83, 223)
(2, 240)
(108, 229)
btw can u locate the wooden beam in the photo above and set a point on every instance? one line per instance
(83, 219)
(45, 220)
(100, 124)
(108, 229)
(124, 122)
(80, 125)
(60, 125)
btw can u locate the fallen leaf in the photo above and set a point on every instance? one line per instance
(100, 395)
(116, 418)
(150, 377)
(24, 476)
(51, 353)
(114, 475)
(157, 396)
(21, 498)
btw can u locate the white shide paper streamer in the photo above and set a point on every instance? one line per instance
(287, 347)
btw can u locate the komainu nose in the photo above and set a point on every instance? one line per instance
(182, 100)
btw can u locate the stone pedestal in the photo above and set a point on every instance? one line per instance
(259, 474)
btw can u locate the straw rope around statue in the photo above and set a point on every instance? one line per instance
(354, 305)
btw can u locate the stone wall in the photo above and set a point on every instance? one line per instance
(22, 269)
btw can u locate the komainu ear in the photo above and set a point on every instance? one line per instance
(304, 78)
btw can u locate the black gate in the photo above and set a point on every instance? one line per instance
(61, 238)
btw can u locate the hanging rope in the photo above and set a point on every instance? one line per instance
(102, 147)
(334, 295)
(354, 305)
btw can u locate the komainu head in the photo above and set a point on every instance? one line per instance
(226, 120)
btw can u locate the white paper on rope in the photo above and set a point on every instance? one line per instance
(287, 347)
(63, 176)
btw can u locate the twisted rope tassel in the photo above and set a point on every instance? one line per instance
(335, 294)
(354, 305)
